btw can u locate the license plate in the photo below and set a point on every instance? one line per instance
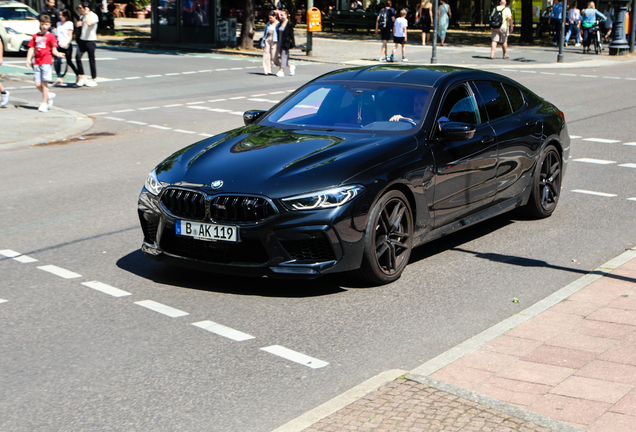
(204, 231)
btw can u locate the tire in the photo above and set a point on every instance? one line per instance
(546, 186)
(388, 240)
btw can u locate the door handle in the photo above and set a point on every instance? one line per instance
(487, 139)
(531, 123)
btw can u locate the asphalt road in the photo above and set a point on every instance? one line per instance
(74, 358)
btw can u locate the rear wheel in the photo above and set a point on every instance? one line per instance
(388, 239)
(546, 187)
(597, 43)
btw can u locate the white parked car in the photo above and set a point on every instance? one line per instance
(18, 22)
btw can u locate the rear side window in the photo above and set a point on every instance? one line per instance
(494, 98)
(515, 97)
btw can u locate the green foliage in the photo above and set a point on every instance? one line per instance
(140, 5)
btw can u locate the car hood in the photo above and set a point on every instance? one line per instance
(281, 162)
(29, 27)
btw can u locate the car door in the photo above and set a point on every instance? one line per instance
(518, 131)
(465, 169)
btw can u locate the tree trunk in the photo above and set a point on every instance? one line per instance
(247, 29)
(527, 33)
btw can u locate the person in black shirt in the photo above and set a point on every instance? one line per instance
(50, 10)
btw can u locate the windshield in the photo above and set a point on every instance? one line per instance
(355, 105)
(21, 13)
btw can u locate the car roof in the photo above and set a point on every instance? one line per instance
(432, 75)
(12, 4)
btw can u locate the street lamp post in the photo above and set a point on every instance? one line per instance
(434, 52)
(562, 36)
(309, 44)
(619, 44)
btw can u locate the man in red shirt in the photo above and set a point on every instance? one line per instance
(44, 45)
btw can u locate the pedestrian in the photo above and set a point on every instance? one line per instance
(400, 35)
(64, 45)
(425, 11)
(4, 94)
(443, 18)
(86, 43)
(556, 16)
(574, 24)
(609, 20)
(500, 34)
(588, 20)
(50, 10)
(285, 42)
(384, 23)
(269, 43)
(44, 46)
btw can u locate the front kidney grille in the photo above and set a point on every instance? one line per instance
(185, 203)
(228, 208)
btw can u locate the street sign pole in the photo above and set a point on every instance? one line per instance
(310, 4)
(434, 52)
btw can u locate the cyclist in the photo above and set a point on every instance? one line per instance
(588, 20)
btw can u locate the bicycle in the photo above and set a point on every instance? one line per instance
(596, 37)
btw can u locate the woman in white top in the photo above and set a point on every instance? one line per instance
(64, 35)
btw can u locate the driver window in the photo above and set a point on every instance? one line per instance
(460, 106)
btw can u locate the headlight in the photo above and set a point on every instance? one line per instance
(153, 185)
(323, 199)
(10, 30)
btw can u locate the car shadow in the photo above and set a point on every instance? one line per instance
(166, 274)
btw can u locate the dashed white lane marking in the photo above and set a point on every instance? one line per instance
(136, 122)
(195, 103)
(294, 356)
(121, 111)
(188, 73)
(631, 79)
(612, 77)
(217, 100)
(567, 74)
(601, 140)
(218, 70)
(277, 92)
(595, 161)
(237, 98)
(630, 144)
(631, 199)
(3, 301)
(24, 259)
(153, 76)
(204, 71)
(205, 135)
(183, 131)
(9, 253)
(224, 331)
(258, 95)
(148, 108)
(594, 193)
(628, 165)
(96, 114)
(132, 78)
(236, 113)
(574, 136)
(115, 118)
(547, 73)
(589, 76)
(106, 289)
(524, 71)
(159, 127)
(59, 271)
(161, 308)
(172, 105)
(172, 74)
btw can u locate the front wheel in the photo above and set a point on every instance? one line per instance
(546, 186)
(388, 239)
(597, 44)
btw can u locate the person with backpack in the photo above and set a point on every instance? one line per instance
(384, 23)
(501, 25)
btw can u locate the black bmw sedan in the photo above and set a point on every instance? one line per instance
(353, 170)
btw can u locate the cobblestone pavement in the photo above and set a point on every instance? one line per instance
(406, 405)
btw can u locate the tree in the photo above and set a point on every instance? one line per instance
(527, 33)
(247, 29)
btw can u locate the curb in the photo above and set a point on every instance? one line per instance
(420, 374)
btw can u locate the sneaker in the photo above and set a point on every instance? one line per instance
(4, 98)
(390, 59)
(292, 70)
(91, 83)
(81, 82)
(280, 74)
(404, 59)
(383, 59)
(44, 107)
(565, 43)
(51, 97)
(577, 44)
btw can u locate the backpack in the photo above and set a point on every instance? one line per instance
(383, 19)
(496, 19)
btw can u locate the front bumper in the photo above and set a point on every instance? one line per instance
(293, 245)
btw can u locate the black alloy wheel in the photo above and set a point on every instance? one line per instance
(547, 184)
(388, 239)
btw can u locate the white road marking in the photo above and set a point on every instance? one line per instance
(595, 161)
(252, 67)
(631, 199)
(221, 110)
(188, 73)
(277, 92)
(183, 131)
(220, 70)
(589, 76)
(173, 105)
(611, 77)
(548, 73)
(3, 301)
(257, 100)
(153, 76)
(198, 107)
(195, 103)
(58, 271)
(527, 71)
(172, 74)
(121, 111)
(136, 122)
(236, 98)
(258, 95)
(294, 356)
(567, 74)
(147, 108)
(631, 79)
(24, 259)
(224, 331)
(96, 114)
(601, 140)
(115, 118)
(594, 193)
(630, 144)
(9, 253)
(206, 70)
(574, 136)
(132, 78)
(628, 165)
(106, 289)
(159, 127)
(161, 308)
(206, 135)
(236, 113)
(217, 100)
(236, 68)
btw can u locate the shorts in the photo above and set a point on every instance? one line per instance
(386, 33)
(398, 39)
(499, 35)
(42, 72)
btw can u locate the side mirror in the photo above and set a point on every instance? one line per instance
(455, 131)
(250, 117)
